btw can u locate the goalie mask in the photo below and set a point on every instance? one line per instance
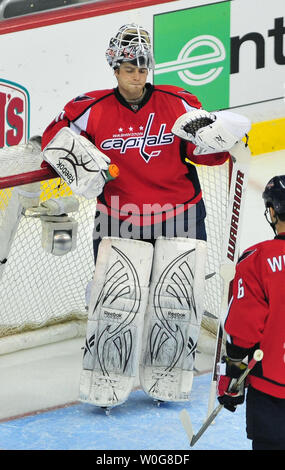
(131, 44)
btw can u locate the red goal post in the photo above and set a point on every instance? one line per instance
(27, 177)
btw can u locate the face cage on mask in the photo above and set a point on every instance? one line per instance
(123, 49)
(143, 59)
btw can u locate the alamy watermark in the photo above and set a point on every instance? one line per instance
(147, 222)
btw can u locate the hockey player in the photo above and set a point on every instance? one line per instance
(256, 320)
(153, 134)
(132, 126)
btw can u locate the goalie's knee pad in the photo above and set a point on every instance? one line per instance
(173, 318)
(117, 305)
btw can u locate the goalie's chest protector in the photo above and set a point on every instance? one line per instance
(150, 158)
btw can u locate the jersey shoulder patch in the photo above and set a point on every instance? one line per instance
(258, 248)
(246, 254)
(180, 93)
(93, 95)
(78, 105)
(82, 98)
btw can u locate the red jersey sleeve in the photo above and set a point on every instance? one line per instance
(71, 113)
(210, 159)
(72, 110)
(248, 308)
(53, 129)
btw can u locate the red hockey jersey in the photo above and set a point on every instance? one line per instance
(151, 160)
(256, 314)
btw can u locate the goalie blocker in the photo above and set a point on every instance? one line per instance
(123, 316)
(83, 167)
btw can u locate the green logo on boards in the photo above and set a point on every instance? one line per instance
(192, 51)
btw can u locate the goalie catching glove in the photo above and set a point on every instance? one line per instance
(211, 132)
(229, 395)
(78, 162)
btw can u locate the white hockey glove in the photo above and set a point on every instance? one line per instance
(78, 162)
(211, 132)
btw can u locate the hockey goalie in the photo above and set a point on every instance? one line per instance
(150, 243)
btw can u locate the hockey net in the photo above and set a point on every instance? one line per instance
(42, 296)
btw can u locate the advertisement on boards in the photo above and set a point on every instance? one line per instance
(192, 51)
(230, 54)
(219, 53)
(14, 113)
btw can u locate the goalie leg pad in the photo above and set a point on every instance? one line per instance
(173, 318)
(118, 301)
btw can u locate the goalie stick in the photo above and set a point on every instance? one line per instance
(185, 418)
(230, 252)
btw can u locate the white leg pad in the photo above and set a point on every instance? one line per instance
(173, 318)
(118, 301)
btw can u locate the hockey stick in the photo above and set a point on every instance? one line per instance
(185, 418)
(241, 158)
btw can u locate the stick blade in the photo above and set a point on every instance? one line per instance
(187, 425)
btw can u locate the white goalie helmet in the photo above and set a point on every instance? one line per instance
(131, 44)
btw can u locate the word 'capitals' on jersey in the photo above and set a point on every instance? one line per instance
(140, 140)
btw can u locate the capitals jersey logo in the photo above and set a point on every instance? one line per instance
(144, 141)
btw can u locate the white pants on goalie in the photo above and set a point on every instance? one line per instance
(117, 305)
(173, 318)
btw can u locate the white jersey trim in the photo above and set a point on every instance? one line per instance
(81, 123)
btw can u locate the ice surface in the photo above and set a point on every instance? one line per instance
(138, 424)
